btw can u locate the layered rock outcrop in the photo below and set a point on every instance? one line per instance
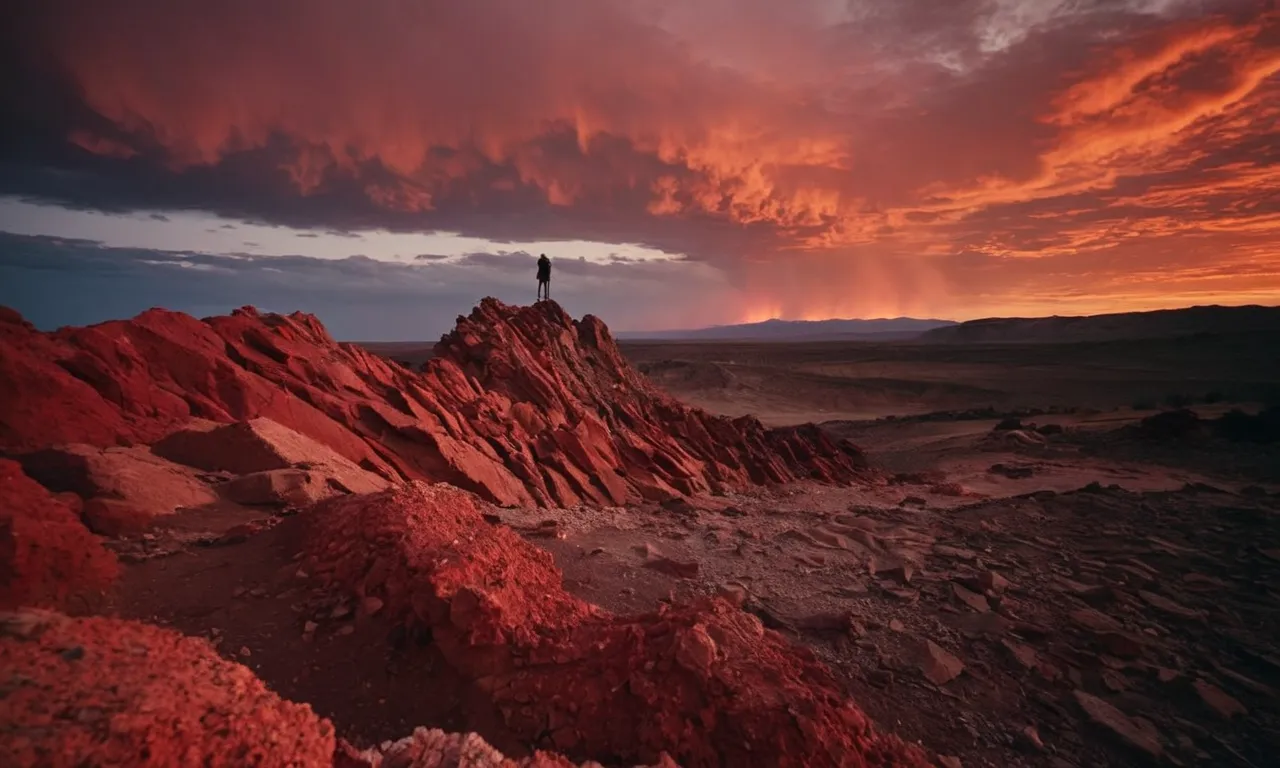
(520, 405)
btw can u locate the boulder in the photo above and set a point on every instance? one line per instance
(938, 666)
(147, 483)
(1134, 731)
(278, 487)
(262, 445)
(115, 517)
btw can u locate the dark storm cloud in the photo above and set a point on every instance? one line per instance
(865, 142)
(56, 281)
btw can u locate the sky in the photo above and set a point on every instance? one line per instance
(386, 164)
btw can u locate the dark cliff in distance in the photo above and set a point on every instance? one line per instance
(1166, 323)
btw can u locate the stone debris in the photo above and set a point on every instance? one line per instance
(1134, 731)
(972, 599)
(1224, 705)
(939, 666)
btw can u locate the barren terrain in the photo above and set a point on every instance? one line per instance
(987, 556)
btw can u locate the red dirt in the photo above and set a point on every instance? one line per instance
(47, 556)
(705, 682)
(107, 692)
(521, 405)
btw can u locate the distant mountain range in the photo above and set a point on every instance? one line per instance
(1165, 323)
(1128, 325)
(799, 330)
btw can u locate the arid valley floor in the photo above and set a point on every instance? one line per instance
(1054, 555)
(1099, 529)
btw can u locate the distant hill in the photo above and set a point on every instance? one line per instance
(798, 330)
(1129, 325)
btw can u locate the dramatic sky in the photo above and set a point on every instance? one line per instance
(386, 163)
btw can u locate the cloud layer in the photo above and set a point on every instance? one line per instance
(821, 157)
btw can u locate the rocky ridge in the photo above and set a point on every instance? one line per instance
(521, 405)
(163, 435)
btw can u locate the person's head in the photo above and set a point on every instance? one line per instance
(542, 256)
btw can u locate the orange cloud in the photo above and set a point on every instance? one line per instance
(860, 170)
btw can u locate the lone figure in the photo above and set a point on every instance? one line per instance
(544, 277)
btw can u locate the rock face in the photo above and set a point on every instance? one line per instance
(705, 682)
(520, 405)
(47, 556)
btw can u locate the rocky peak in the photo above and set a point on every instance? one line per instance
(522, 405)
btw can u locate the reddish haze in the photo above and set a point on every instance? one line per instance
(921, 160)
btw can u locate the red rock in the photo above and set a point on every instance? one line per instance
(286, 487)
(162, 695)
(1224, 705)
(1029, 738)
(112, 517)
(1024, 655)
(238, 534)
(1094, 620)
(47, 556)
(899, 570)
(498, 611)
(972, 599)
(1247, 682)
(261, 445)
(939, 666)
(145, 482)
(671, 567)
(1134, 731)
(519, 405)
(992, 581)
(1168, 606)
(1114, 681)
(433, 748)
(1122, 644)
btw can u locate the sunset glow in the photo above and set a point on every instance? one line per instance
(819, 158)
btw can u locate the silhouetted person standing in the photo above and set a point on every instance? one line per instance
(544, 277)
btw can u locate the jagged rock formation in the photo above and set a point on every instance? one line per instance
(521, 405)
(704, 682)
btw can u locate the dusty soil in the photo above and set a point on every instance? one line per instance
(1058, 575)
(1147, 587)
(818, 381)
(252, 601)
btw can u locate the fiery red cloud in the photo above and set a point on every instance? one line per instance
(834, 158)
